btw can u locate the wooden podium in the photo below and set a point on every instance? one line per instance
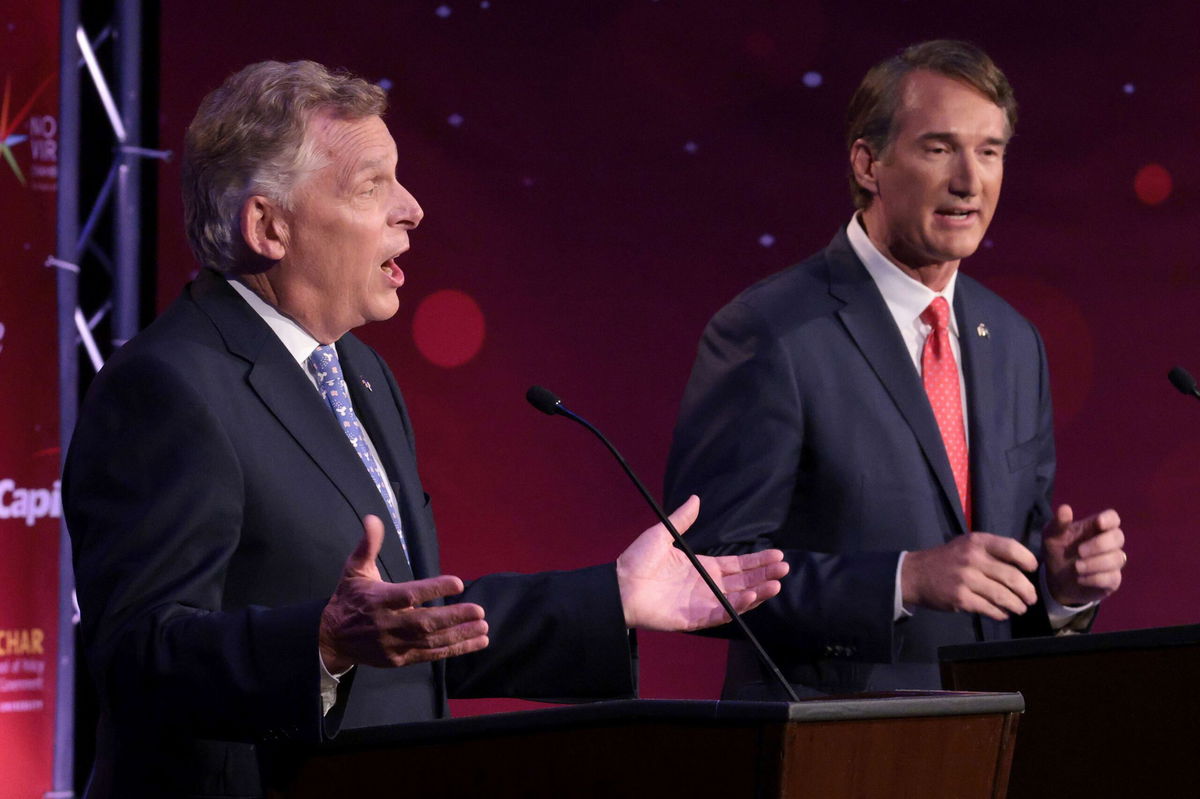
(1108, 714)
(920, 744)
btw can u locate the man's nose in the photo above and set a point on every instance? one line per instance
(966, 181)
(407, 212)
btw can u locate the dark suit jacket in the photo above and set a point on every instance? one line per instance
(212, 500)
(805, 426)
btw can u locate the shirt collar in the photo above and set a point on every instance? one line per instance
(295, 338)
(906, 297)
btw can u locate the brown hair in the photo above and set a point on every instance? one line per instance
(248, 137)
(873, 106)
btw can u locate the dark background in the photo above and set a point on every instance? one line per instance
(598, 178)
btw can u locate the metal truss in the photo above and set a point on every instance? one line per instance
(106, 244)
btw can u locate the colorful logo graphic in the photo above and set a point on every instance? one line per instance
(8, 125)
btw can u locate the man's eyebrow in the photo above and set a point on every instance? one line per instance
(952, 138)
(356, 171)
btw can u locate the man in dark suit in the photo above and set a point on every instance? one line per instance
(229, 457)
(886, 420)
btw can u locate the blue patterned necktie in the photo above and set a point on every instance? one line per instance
(325, 368)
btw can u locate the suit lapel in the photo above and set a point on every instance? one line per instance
(281, 385)
(978, 353)
(870, 324)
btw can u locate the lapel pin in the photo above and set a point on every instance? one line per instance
(367, 385)
(982, 330)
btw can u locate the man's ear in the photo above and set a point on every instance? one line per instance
(263, 227)
(863, 164)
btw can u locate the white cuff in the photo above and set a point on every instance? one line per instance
(898, 610)
(329, 686)
(1060, 615)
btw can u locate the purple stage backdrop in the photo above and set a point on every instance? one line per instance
(599, 177)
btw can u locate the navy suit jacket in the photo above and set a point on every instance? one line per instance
(212, 500)
(805, 426)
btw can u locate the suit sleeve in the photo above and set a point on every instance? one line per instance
(552, 635)
(154, 500)
(739, 444)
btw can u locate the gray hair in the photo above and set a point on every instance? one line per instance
(249, 137)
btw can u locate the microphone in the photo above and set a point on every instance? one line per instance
(545, 401)
(1178, 376)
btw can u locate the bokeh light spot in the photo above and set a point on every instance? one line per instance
(813, 79)
(766, 240)
(1129, 88)
(448, 328)
(1152, 184)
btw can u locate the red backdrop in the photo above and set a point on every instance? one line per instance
(29, 454)
(598, 178)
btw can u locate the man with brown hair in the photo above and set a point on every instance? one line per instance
(886, 420)
(259, 443)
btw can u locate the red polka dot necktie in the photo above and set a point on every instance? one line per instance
(940, 375)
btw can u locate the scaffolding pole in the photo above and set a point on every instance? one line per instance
(66, 235)
(78, 253)
(128, 203)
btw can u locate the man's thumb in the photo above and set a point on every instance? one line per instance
(362, 560)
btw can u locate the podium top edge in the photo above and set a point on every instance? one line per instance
(1150, 638)
(872, 706)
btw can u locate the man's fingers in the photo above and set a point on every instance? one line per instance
(441, 653)
(1108, 541)
(983, 606)
(741, 601)
(361, 562)
(1010, 551)
(437, 633)
(733, 564)
(398, 596)
(1112, 561)
(1000, 595)
(685, 515)
(1105, 581)
(737, 579)
(1012, 580)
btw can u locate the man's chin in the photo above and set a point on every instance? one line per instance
(384, 309)
(957, 247)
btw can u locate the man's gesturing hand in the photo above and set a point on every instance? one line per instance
(382, 624)
(661, 591)
(976, 573)
(1084, 558)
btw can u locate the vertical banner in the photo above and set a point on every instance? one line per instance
(29, 445)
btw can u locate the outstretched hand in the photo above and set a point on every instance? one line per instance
(661, 591)
(383, 624)
(1084, 558)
